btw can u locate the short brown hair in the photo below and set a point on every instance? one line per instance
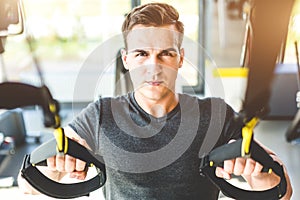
(152, 14)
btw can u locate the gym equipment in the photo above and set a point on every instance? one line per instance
(16, 95)
(263, 47)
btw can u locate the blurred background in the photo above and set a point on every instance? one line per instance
(76, 44)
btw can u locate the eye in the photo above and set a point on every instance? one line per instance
(141, 54)
(168, 53)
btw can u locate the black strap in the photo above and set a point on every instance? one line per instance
(293, 133)
(264, 49)
(15, 95)
(233, 150)
(60, 190)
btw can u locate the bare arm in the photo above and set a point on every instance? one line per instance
(59, 166)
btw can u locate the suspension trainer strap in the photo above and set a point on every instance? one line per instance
(15, 95)
(233, 150)
(60, 190)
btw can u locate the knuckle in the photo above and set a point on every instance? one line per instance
(218, 172)
(239, 166)
(80, 165)
(250, 166)
(51, 163)
(60, 163)
(228, 166)
(70, 164)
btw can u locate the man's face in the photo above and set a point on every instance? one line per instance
(153, 59)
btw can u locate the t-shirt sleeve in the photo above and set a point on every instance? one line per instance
(86, 124)
(231, 129)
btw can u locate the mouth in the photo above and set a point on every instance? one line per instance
(154, 83)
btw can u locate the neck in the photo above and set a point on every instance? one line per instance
(157, 107)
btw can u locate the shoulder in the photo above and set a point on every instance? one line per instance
(106, 101)
(213, 107)
(204, 101)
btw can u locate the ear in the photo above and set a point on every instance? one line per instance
(181, 57)
(124, 58)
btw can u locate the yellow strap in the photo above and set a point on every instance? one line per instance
(57, 120)
(52, 107)
(53, 110)
(247, 133)
(61, 140)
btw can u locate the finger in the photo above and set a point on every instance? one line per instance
(60, 163)
(78, 175)
(229, 166)
(51, 163)
(70, 163)
(249, 167)
(221, 173)
(239, 166)
(80, 165)
(257, 169)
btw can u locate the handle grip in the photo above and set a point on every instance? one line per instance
(233, 150)
(55, 189)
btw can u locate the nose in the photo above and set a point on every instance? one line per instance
(153, 66)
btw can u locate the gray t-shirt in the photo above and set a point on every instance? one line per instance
(156, 158)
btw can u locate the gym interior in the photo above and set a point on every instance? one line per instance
(231, 53)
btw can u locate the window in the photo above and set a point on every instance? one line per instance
(75, 40)
(293, 35)
(65, 33)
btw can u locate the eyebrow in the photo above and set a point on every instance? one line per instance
(136, 50)
(170, 49)
(141, 50)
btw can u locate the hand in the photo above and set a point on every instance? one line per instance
(238, 167)
(68, 164)
(251, 171)
(59, 166)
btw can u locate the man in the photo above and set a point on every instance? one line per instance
(151, 137)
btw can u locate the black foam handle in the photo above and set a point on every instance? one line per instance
(234, 150)
(59, 190)
(257, 153)
(226, 152)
